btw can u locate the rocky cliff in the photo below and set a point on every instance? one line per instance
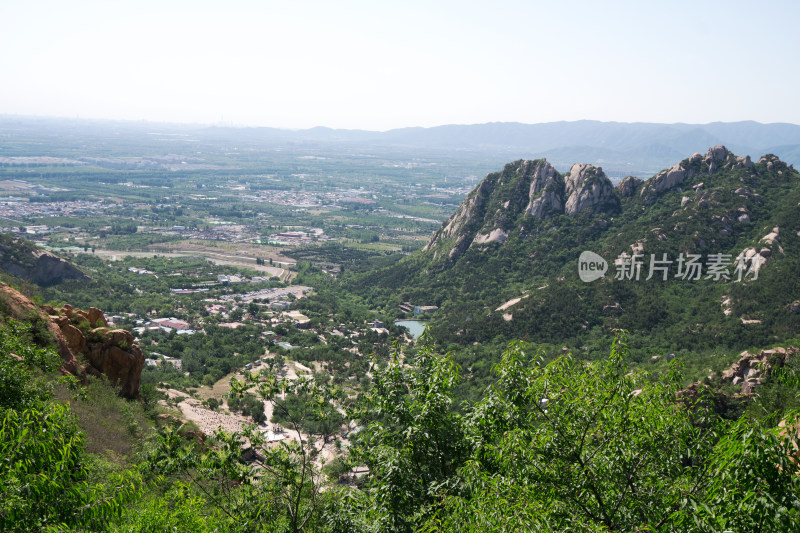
(503, 208)
(525, 188)
(547, 188)
(520, 235)
(717, 158)
(749, 372)
(588, 189)
(83, 340)
(23, 259)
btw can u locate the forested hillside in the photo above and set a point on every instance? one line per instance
(526, 406)
(560, 446)
(505, 266)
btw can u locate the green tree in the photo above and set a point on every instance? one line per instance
(413, 442)
(592, 446)
(276, 488)
(44, 478)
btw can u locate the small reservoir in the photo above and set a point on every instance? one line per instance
(415, 327)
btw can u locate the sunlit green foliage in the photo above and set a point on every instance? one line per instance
(571, 446)
(44, 479)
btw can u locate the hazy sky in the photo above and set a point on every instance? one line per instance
(382, 64)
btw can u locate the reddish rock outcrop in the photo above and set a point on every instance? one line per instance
(96, 318)
(123, 367)
(19, 307)
(75, 339)
(107, 351)
(76, 332)
(750, 371)
(70, 363)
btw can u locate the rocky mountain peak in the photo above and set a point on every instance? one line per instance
(717, 157)
(525, 188)
(773, 162)
(586, 187)
(546, 192)
(539, 172)
(628, 186)
(500, 208)
(664, 181)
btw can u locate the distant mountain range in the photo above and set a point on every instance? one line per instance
(619, 147)
(637, 148)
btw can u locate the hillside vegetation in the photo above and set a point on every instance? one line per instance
(586, 424)
(514, 237)
(560, 446)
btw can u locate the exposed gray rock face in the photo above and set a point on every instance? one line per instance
(720, 157)
(744, 162)
(541, 174)
(546, 190)
(503, 200)
(496, 235)
(773, 162)
(470, 211)
(751, 369)
(629, 186)
(550, 200)
(533, 188)
(587, 187)
(663, 182)
(50, 269)
(716, 157)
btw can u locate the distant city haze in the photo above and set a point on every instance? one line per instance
(384, 65)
